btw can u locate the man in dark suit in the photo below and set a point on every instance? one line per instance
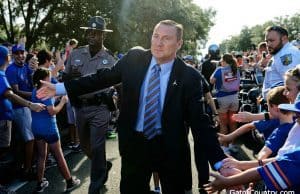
(178, 104)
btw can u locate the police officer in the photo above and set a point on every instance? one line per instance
(209, 66)
(91, 110)
(285, 56)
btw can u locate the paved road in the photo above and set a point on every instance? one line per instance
(79, 166)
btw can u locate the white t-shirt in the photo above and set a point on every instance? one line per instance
(292, 141)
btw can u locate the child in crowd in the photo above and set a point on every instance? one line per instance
(292, 87)
(45, 130)
(264, 127)
(276, 140)
(227, 81)
(280, 173)
(278, 136)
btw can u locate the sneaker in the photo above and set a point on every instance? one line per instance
(76, 148)
(108, 167)
(72, 184)
(42, 185)
(111, 135)
(70, 145)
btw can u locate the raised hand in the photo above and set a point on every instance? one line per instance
(65, 99)
(46, 91)
(33, 63)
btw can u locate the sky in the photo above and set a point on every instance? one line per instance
(238, 13)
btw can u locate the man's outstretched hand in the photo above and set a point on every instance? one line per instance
(46, 91)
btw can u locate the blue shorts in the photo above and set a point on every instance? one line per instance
(22, 121)
(49, 138)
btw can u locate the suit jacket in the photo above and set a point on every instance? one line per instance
(182, 106)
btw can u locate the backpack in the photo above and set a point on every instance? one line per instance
(230, 82)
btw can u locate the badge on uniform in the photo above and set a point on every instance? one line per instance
(286, 59)
(104, 62)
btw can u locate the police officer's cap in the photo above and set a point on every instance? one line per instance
(97, 23)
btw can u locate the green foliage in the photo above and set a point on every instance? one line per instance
(255, 35)
(54, 22)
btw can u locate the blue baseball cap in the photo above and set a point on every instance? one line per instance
(18, 47)
(292, 107)
(3, 54)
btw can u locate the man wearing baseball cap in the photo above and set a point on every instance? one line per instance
(6, 97)
(91, 110)
(19, 78)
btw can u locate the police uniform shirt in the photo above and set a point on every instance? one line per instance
(80, 60)
(287, 58)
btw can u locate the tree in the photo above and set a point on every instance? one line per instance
(56, 21)
(256, 34)
(32, 14)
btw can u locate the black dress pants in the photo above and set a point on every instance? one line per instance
(143, 158)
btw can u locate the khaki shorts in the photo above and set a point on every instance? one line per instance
(228, 103)
(5, 133)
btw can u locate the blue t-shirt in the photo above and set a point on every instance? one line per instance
(219, 80)
(282, 174)
(42, 122)
(5, 104)
(278, 137)
(21, 76)
(266, 127)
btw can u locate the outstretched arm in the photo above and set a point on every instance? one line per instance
(238, 132)
(248, 117)
(222, 182)
(48, 90)
(37, 107)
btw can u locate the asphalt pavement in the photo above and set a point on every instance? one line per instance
(79, 166)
